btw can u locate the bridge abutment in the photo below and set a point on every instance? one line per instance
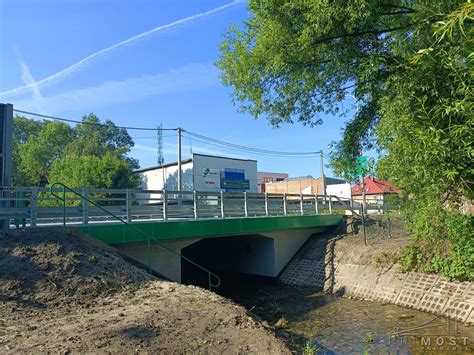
(162, 261)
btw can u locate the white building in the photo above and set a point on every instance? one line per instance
(339, 190)
(266, 177)
(203, 173)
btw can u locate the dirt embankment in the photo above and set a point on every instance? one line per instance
(67, 294)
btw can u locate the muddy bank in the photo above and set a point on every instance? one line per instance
(341, 264)
(62, 293)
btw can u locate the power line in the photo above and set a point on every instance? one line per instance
(254, 152)
(154, 138)
(250, 149)
(91, 123)
(198, 137)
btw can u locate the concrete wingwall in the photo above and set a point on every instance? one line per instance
(286, 245)
(319, 265)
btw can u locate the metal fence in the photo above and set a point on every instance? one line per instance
(35, 206)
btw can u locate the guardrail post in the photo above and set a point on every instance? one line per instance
(222, 205)
(266, 204)
(316, 204)
(85, 207)
(284, 204)
(165, 205)
(34, 206)
(301, 204)
(195, 204)
(246, 206)
(330, 204)
(128, 201)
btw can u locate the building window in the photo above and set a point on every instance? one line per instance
(266, 179)
(280, 179)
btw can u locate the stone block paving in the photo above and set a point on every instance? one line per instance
(304, 273)
(409, 298)
(386, 294)
(445, 288)
(420, 282)
(460, 310)
(432, 303)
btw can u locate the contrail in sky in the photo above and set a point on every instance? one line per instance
(28, 79)
(74, 67)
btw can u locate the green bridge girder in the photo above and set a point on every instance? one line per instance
(205, 228)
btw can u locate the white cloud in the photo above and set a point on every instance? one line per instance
(190, 77)
(76, 66)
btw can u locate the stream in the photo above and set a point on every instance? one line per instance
(311, 322)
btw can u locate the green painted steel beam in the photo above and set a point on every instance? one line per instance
(205, 228)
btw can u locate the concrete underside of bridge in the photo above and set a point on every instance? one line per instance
(256, 254)
(258, 246)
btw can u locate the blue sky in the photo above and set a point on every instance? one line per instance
(167, 75)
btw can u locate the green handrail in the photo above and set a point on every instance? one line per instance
(62, 198)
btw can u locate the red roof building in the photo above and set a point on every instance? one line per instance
(375, 189)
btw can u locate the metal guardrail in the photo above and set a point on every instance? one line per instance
(62, 198)
(35, 206)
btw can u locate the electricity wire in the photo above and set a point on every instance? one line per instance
(249, 149)
(197, 137)
(91, 123)
(256, 153)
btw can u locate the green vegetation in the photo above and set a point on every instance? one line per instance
(309, 349)
(409, 66)
(88, 155)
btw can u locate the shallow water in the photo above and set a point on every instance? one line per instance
(316, 323)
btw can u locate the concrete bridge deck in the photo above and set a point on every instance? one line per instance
(114, 234)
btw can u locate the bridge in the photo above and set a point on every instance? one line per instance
(255, 233)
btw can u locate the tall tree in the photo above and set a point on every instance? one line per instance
(36, 147)
(409, 66)
(89, 155)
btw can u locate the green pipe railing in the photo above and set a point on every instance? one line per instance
(62, 198)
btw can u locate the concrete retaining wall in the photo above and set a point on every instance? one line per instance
(317, 265)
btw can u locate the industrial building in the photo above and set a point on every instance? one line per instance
(266, 177)
(309, 186)
(203, 173)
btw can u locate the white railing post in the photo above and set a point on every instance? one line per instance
(266, 204)
(284, 204)
(301, 204)
(128, 205)
(85, 208)
(316, 204)
(165, 205)
(222, 205)
(330, 204)
(195, 203)
(246, 207)
(33, 206)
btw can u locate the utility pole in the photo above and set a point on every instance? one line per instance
(362, 185)
(323, 181)
(180, 172)
(6, 164)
